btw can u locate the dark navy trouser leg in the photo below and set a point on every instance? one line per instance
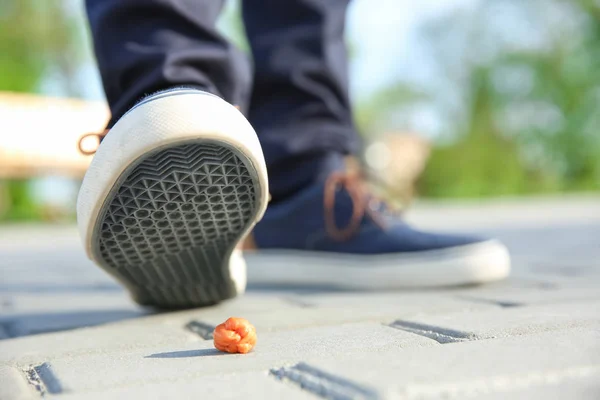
(299, 103)
(143, 46)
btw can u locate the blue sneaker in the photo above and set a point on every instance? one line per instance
(335, 233)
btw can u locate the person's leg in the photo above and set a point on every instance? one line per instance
(143, 46)
(180, 177)
(300, 106)
(324, 227)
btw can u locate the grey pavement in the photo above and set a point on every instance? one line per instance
(67, 330)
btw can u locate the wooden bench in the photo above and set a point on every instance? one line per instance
(39, 135)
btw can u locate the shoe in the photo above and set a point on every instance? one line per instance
(335, 233)
(172, 189)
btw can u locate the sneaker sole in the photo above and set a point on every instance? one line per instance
(169, 224)
(471, 264)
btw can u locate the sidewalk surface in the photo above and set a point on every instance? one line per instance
(68, 331)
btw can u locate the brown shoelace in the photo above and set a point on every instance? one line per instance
(358, 192)
(88, 150)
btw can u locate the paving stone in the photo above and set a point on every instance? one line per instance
(130, 333)
(38, 258)
(4, 333)
(30, 314)
(476, 368)
(62, 266)
(327, 310)
(323, 384)
(530, 292)
(14, 385)
(124, 336)
(24, 236)
(268, 314)
(512, 321)
(28, 303)
(32, 324)
(573, 384)
(405, 301)
(185, 360)
(253, 385)
(536, 335)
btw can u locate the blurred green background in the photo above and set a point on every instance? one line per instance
(506, 92)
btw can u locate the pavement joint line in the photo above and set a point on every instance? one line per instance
(544, 285)
(187, 353)
(43, 379)
(439, 334)
(12, 328)
(6, 304)
(560, 269)
(501, 303)
(202, 329)
(5, 332)
(35, 381)
(323, 384)
(59, 288)
(298, 303)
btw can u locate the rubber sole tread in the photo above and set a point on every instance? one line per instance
(171, 221)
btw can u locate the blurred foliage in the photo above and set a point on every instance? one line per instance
(231, 25)
(517, 91)
(39, 39)
(41, 42)
(16, 202)
(514, 91)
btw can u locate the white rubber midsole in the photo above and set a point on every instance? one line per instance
(477, 263)
(171, 118)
